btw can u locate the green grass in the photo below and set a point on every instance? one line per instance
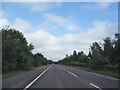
(0, 76)
(107, 73)
(13, 73)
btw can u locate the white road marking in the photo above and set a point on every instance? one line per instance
(69, 72)
(36, 78)
(106, 76)
(72, 73)
(100, 75)
(95, 86)
(63, 69)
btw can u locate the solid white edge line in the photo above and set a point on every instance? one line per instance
(36, 79)
(101, 75)
(95, 86)
(72, 73)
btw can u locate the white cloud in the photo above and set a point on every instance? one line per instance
(4, 22)
(61, 21)
(21, 24)
(45, 38)
(96, 5)
(104, 5)
(18, 24)
(45, 42)
(55, 18)
(41, 6)
(36, 6)
(55, 48)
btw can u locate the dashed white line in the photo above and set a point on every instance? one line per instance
(63, 69)
(69, 72)
(36, 79)
(72, 73)
(95, 86)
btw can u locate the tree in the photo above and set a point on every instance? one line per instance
(16, 52)
(82, 57)
(50, 62)
(90, 55)
(74, 56)
(117, 49)
(39, 59)
(108, 50)
(97, 60)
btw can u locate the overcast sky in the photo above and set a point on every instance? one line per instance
(56, 29)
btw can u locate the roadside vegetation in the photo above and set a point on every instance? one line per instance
(17, 53)
(103, 58)
(17, 56)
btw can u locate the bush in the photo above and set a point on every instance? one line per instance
(83, 64)
(113, 68)
(74, 63)
(5, 69)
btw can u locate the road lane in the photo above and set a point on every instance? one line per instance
(23, 79)
(59, 76)
(37, 78)
(55, 77)
(99, 80)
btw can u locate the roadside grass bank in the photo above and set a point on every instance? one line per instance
(12, 73)
(17, 72)
(0, 76)
(109, 73)
(102, 72)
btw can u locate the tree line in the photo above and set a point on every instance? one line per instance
(17, 53)
(105, 56)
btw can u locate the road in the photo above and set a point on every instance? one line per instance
(59, 76)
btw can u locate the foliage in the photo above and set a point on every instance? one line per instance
(77, 59)
(17, 53)
(97, 59)
(50, 62)
(104, 56)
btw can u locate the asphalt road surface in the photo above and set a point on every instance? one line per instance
(59, 76)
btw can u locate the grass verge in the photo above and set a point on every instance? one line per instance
(13, 73)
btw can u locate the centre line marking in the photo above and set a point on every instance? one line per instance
(95, 86)
(69, 72)
(72, 73)
(36, 79)
(63, 69)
